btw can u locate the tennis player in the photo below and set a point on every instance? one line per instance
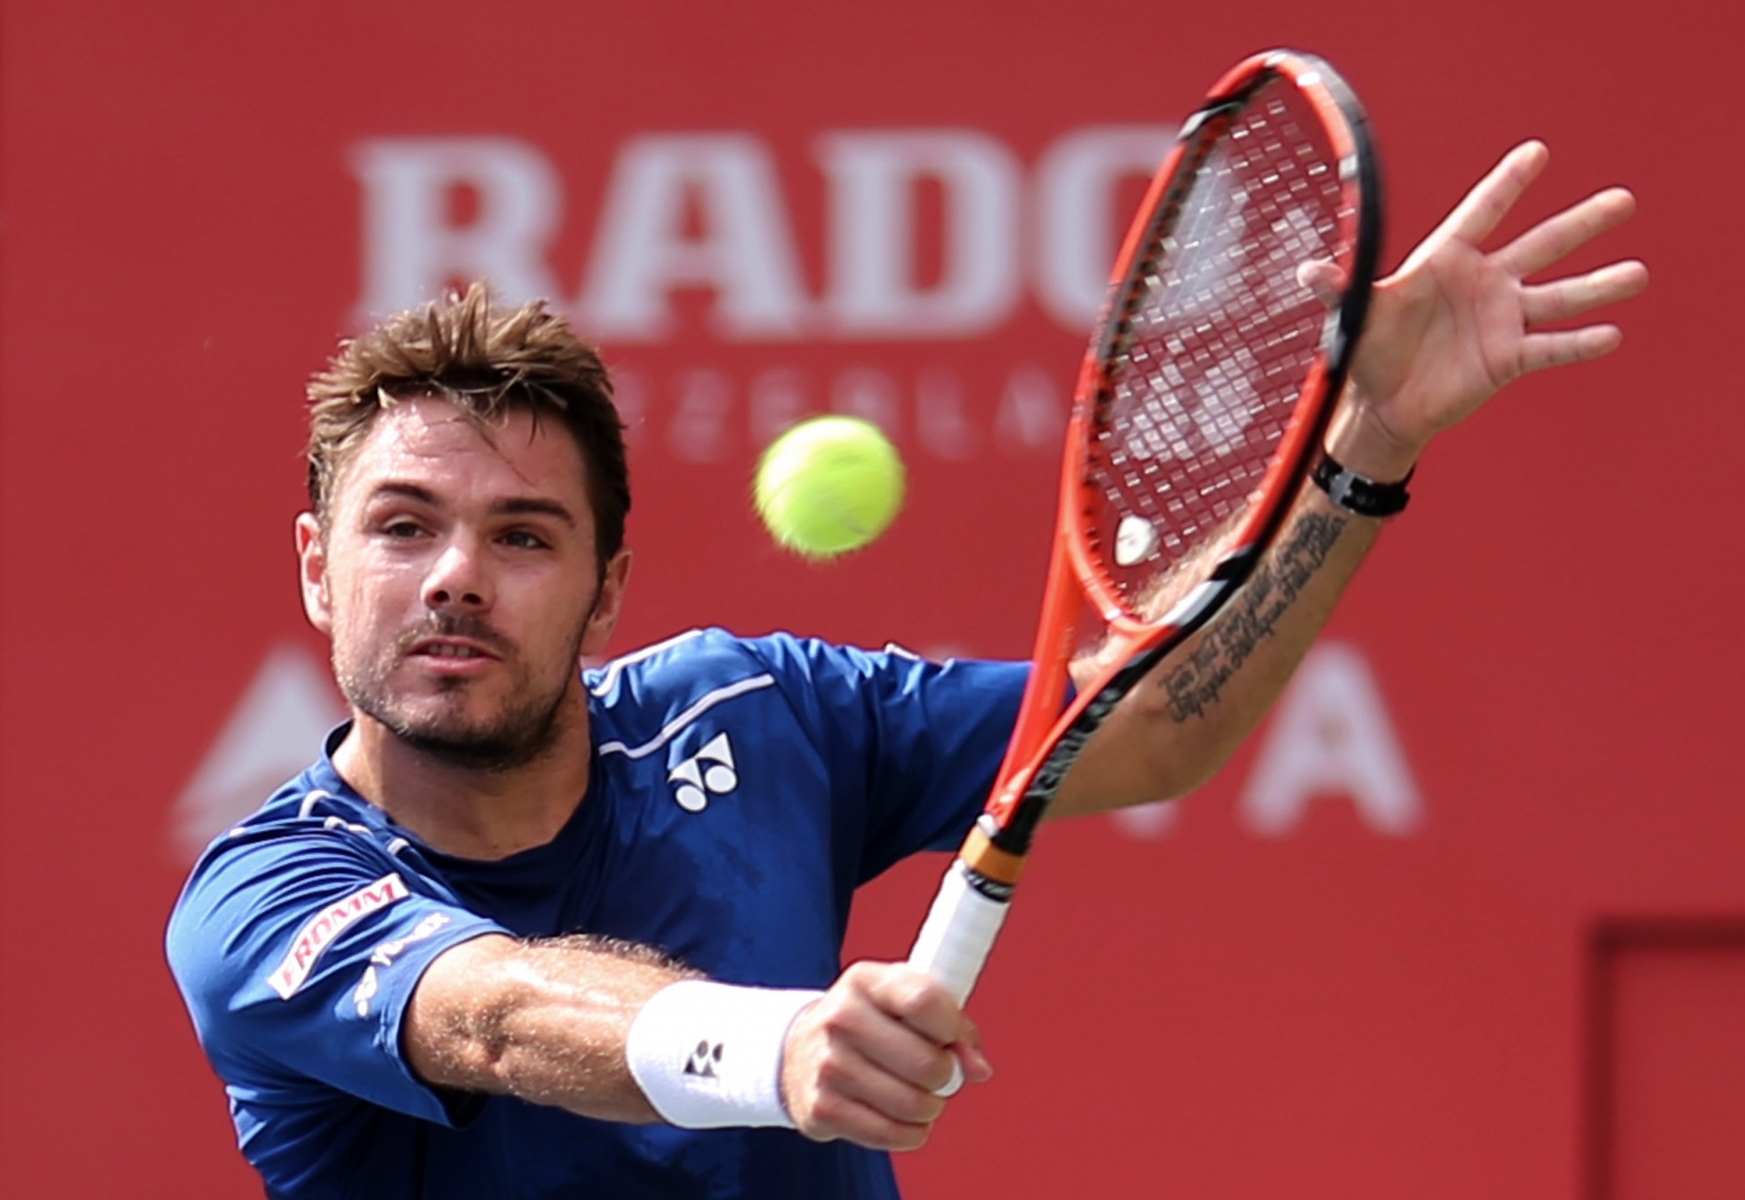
(521, 931)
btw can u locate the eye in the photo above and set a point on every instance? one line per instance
(401, 528)
(524, 539)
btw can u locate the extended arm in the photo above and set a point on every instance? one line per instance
(550, 1023)
(1449, 329)
(546, 1022)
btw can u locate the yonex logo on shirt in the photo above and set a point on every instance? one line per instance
(384, 956)
(708, 772)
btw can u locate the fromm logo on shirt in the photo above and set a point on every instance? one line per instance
(321, 930)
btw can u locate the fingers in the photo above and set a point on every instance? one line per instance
(1542, 350)
(974, 1064)
(1454, 323)
(1490, 200)
(1324, 279)
(837, 1115)
(1547, 302)
(895, 1101)
(915, 1045)
(865, 1061)
(1554, 237)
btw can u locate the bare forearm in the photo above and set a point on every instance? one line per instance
(551, 1023)
(1180, 725)
(546, 1022)
(1221, 683)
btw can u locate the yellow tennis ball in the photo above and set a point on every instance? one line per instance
(829, 485)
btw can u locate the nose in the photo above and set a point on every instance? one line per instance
(458, 578)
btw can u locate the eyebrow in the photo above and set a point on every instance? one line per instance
(512, 506)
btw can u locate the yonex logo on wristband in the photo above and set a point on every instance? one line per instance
(707, 773)
(703, 1059)
(677, 1053)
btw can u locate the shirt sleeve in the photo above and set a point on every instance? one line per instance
(924, 738)
(297, 953)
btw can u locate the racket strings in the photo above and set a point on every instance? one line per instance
(1219, 337)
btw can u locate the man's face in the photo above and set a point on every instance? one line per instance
(459, 584)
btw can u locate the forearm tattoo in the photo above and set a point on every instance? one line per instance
(1196, 684)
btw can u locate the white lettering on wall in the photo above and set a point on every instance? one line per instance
(777, 398)
(1331, 738)
(1146, 820)
(287, 708)
(707, 212)
(1032, 413)
(698, 432)
(744, 253)
(872, 237)
(413, 244)
(943, 428)
(870, 394)
(1077, 180)
(705, 413)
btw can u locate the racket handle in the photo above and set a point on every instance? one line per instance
(955, 941)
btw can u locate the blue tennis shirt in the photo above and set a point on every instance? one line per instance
(741, 790)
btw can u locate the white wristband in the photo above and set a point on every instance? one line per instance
(709, 1055)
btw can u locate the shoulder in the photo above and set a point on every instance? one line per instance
(692, 660)
(646, 690)
(647, 694)
(701, 660)
(636, 696)
(305, 847)
(311, 814)
(314, 897)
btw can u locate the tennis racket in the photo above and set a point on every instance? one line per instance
(1198, 414)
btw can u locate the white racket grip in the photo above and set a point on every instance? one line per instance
(955, 941)
(958, 935)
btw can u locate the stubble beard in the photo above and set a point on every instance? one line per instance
(519, 733)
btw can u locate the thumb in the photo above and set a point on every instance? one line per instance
(1323, 278)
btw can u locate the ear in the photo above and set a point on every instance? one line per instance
(607, 605)
(312, 572)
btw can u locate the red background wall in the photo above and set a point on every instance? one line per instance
(1188, 1007)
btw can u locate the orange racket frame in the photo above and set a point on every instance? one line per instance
(966, 915)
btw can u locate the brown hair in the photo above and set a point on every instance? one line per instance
(488, 362)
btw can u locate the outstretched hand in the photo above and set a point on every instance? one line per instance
(1456, 323)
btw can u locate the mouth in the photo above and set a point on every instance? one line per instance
(450, 650)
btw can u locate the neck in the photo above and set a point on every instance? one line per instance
(470, 813)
